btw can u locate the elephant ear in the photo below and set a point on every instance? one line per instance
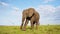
(25, 12)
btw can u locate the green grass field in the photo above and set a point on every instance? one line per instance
(43, 29)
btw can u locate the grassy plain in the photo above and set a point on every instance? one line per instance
(43, 29)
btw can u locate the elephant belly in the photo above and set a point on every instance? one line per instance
(28, 18)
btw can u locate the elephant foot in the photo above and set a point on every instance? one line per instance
(37, 29)
(24, 29)
(20, 27)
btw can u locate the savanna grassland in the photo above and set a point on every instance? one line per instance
(43, 29)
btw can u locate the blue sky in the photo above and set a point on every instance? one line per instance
(11, 11)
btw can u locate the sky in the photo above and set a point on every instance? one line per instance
(11, 11)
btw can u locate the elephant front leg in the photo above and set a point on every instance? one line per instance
(22, 23)
(26, 22)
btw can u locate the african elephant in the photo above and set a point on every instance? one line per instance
(30, 15)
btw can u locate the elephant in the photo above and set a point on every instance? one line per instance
(30, 15)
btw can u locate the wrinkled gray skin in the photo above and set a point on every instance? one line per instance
(32, 15)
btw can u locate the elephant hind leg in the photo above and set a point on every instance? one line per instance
(32, 25)
(37, 24)
(34, 22)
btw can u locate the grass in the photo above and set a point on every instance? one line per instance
(43, 29)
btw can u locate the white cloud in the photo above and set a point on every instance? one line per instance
(48, 14)
(8, 5)
(12, 18)
(3, 4)
(46, 1)
(58, 8)
(15, 8)
(46, 9)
